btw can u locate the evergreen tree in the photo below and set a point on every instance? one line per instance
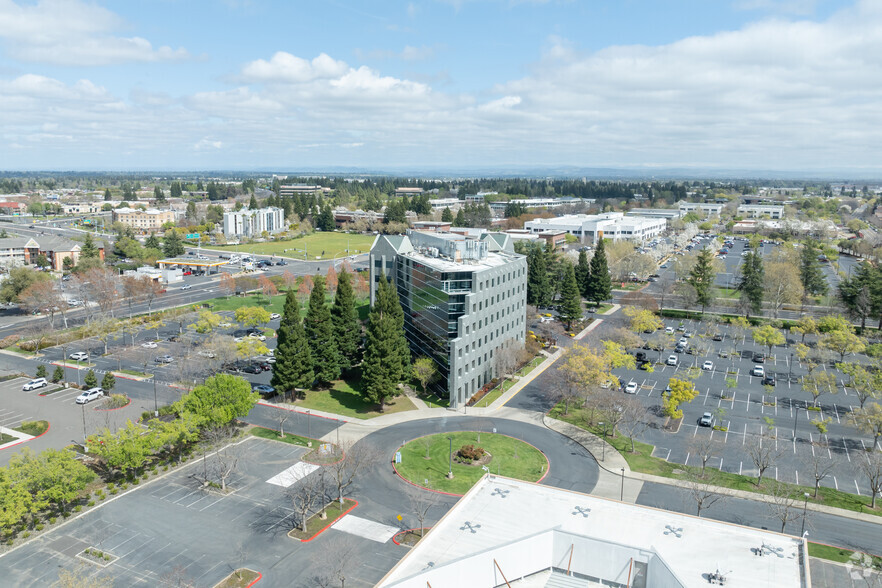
(347, 327)
(752, 282)
(861, 293)
(252, 204)
(701, 278)
(107, 194)
(599, 281)
(108, 382)
(538, 288)
(382, 368)
(58, 374)
(446, 216)
(175, 190)
(293, 367)
(190, 213)
(41, 371)
(172, 245)
(570, 298)
(90, 380)
(326, 219)
(583, 272)
(158, 195)
(396, 211)
(813, 280)
(460, 219)
(320, 335)
(89, 249)
(152, 242)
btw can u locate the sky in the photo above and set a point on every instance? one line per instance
(785, 85)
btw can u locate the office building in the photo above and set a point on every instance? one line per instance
(19, 251)
(761, 211)
(252, 223)
(702, 208)
(463, 298)
(507, 532)
(143, 220)
(589, 228)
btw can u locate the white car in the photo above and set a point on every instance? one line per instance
(257, 336)
(90, 395)
(631, 388)
(275, 316)
(186, 286)
(708, 366)
(669, 331)
(758, 371)
(672, 360)
(224, 325)
(208, 354)
(683, 341)
(34, 384)
(79, 356)
(149, 345)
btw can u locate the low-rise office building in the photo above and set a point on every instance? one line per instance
(143, 220)
(252, 223)
(292, 189)
(665, 213)
(589, 228)
(703, 208)
(463, 299)
(13, 208)
(761, 211)
(82, 207)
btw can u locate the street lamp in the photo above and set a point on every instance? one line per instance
(308, 435)
(603, 434)
(622, 495)
(155, 403)
(804, 507)
(450, 467)
(790, 374)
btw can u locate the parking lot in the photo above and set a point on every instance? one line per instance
(67, 420)
(173, 524)
(742, 410)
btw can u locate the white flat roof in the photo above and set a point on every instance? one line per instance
(492, 260)
(490, 519)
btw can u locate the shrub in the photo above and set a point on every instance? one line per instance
(116, 401)
(41, 371)
(8, 341)
(26, 534)
(52, 520)
(78, 508)
(113, 491)
(470, 452)
(39, 526)
(90, 503)
(58, 374)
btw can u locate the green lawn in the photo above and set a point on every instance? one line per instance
(264, 433)
(627, 286)
(345, 399)
(511, 457)
(728, 293)
(135, 373)
(4, 438)
(316, 246)
(829, 552)
(491, 396)
(641, 460)
(240, 578)
(433, 401)
(34, 428)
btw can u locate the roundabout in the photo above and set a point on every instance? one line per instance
(452, 462)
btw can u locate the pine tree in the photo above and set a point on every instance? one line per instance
(570, 299)
(90, 380)
(107, 194)
(108, 382)
(813, 280)
(252, 204)
(152, 242)
(446, 216)
(599, 282)
(158, 195)
(347, 327)
(58, 374)
(382, 368)
(176, 190)
(752, 284)
(293, 367)
(583, 272)
(326, 219)
(88, 249)
(172, 246)
(702, 277)
(460, 219)
(538, 288)
(320, 335)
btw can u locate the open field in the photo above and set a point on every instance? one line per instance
(314, 247)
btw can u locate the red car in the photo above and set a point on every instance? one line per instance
(187, 273)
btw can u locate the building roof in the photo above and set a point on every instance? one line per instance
(527, 528)
(16, 242)
(148, 211)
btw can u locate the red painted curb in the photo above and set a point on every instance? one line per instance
(395, 541)
(547, 463)
(317, 440)
(117, 408)
(48, 426)
(319, 416)
(326, 527)
(256, 580)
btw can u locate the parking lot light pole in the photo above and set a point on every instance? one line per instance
(603, 434)
(790, 374)
(308, 435)
(155, 403)
(622, 495)
(450, 466)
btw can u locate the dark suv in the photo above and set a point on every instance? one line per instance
(768, 381)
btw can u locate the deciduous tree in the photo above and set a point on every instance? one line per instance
(219, 400)
(868, 420)
(681, 391)
(768, 336)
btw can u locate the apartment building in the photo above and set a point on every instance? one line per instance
(252, 223)
(143, 220)
(463, 299)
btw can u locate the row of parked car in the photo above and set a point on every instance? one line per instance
(84, 398)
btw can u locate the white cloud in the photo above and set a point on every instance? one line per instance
(73, 33)
(286, 68)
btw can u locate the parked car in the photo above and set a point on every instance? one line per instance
(768, 381)
(718, 337)
(683, 341)
(708, 366)
(759, 358)
(205, 353)
(282, 262)
(263, 389)
(679, 349)
(149, 345)
(631, 388)
(758, 371)
(186, 286)
(250, 369)
(669, 330)
(90, 395)
(164, 359)
(275, 316)
(224, 325)
(681, 328)
(706, 420)
(174, 339)
(79, 355)
(644, 365)
(258, 336)
(640, 356)
(34, 384)
(672, 360)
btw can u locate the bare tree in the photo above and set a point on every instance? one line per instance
(222, 463)
(704, 449)
(356, 457)
(611, 406)
(634, 419)
(871, 469)
(865, 567)
(762, 454)
(133, 291)
(336, 562)
(564, 387)
(703, 491)
(420, 503)
(152, 291)
(506, 357)
(782, 506)
(305, 496)
(102, 287)
(819, 467)
(177, 578)
(282, 417)
(624, 337)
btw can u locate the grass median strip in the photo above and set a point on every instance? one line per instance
(240, 578)
(274, 436)
(316, 524)
(641, 460)
(135, 373)
(33, 428)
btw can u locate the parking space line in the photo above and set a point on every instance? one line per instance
(115, 547)
(744, 435)
(857, 488)
(212, 504)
